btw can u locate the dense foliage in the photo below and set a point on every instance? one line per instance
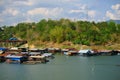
(78, 32)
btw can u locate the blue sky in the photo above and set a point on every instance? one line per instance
(16, 11)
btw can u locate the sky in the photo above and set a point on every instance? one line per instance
(13, 12)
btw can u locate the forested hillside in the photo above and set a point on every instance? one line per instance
(58, 31)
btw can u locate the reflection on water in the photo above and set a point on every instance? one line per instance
(65, 68)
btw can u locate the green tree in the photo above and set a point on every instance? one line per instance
(57, 34)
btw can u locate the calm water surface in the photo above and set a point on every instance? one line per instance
(65, 68)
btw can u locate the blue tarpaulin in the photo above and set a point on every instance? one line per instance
(2, 49)
(13, 38)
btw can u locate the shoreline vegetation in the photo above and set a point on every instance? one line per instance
(71, 45)
(65, 33)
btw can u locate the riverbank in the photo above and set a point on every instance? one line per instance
(67, 44)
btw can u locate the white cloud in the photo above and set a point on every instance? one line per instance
(45, 11)
(1, 20)
(10, 11)
(81, 6)
(110, 15)
(16, 3)
(27, 3)
(91, 13)
(116, 7)
(77, 11)
(114, 13)
(24, 2)
(1, 2)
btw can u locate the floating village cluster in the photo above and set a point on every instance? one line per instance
(34, 56)
(24, 55)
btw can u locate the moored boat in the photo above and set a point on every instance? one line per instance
(71, 53)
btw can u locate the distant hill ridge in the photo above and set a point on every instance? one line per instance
(116, 21)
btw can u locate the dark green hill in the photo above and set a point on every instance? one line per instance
(58, 31)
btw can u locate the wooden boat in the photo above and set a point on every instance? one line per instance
(71, 53)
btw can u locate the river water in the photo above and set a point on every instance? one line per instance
(65, 68)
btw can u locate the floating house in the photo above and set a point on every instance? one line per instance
(23, 50)
(15, 59)
(13, 55)
(108, 52)
(35, 57)
(71, 53)
(64, 51)
(53, 50)
(48, 55)
(87, 52)
(2, 51)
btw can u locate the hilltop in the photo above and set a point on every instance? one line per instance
(58, 33)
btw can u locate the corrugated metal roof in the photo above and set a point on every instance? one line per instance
(85, 51)
(13, 56)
